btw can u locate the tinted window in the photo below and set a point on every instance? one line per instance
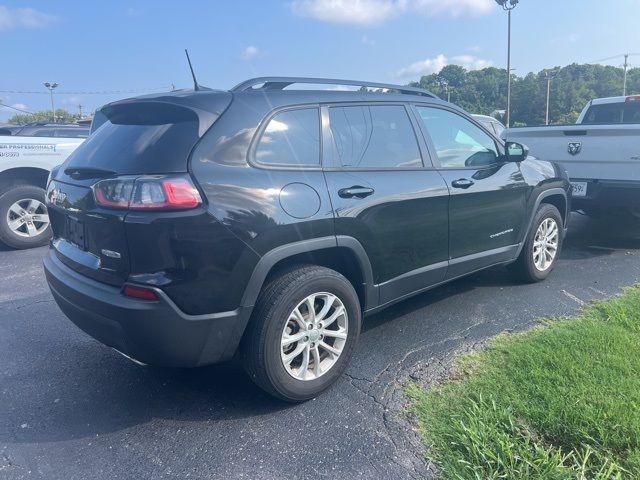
(613, 113)
(292, 137)
(41, 133)
(72, 133)
(458, 142)
(140, 138)
(374, 137)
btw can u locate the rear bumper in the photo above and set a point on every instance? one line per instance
(608, 194)
(154, 333)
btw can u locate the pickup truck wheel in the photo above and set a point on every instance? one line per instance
(303, 331)
(24, 222)
(542, 246)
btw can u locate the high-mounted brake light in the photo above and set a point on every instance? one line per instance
(141, 293)
(147, 193)
(633, 98)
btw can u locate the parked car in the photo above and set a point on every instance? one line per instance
(24, 167)
(492, 124)
(56, 130)
(601, 154)
(267, 220)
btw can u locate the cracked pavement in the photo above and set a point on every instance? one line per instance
(74, 409)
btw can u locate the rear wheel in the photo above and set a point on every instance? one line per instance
(303, 331)
(542, 246)
(24, 221)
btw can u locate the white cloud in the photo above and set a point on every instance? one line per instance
(434, 65)
(24, 18)
(373, 12)
(250, 52)
(423, 67)
(470, 62)
(362, 12)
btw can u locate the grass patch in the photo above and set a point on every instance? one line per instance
(557, 402)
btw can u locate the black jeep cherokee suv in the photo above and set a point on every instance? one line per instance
(265, 220)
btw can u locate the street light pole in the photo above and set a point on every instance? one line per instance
(51, 87)
(508, 5)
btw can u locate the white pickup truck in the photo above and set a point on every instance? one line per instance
(601, 153)
(24, 168)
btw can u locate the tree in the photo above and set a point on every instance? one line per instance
(62, 116)
(484, 91)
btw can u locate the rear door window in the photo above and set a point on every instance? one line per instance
(374, 136)
(291, 138)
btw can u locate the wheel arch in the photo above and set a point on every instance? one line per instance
(552, 196)
(27, 175)
(557, 200)
(343, 254)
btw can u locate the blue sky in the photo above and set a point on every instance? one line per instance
(138, 45)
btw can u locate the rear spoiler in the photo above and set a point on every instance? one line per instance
(204, 106)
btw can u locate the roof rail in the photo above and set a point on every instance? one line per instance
(280, 83)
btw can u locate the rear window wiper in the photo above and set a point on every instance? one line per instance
(88, 172)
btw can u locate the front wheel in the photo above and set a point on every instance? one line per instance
(302, 333)
(24, 221)
(542, 246)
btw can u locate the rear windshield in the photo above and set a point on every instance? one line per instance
(140, 139)
(611, 113)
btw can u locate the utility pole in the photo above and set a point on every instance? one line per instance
(51, 87)
(626, 66)
(508, 5)
(80, 110)
(549, 75)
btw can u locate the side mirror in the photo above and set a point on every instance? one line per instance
(515, 152)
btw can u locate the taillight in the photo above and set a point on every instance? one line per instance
(141, 293)
(633, 98)
(147, 193)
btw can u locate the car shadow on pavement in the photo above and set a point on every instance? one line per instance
(95, 391)
(81, 389)
(600, 236)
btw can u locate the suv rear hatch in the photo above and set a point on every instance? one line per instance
(135, 144)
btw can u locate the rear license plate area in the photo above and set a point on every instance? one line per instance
(75, 232)
(579, 189)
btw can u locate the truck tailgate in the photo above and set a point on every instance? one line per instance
(604, 152)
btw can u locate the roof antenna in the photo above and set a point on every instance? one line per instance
(196, 87)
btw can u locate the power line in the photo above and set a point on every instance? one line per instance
(621, 55)
(14, 108)
(91, 92)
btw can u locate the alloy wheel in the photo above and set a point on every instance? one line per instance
(545, 244)
(314, 336)
(27, 217)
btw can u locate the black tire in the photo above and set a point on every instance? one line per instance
(524, 269)
(261, 347)
(7, 235)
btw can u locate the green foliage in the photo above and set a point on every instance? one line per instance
(485, 91)
(62, 116)
(560, 402)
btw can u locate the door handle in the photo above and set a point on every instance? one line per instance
(355, 191)
(462, 183)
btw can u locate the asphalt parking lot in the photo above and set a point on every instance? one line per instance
(73, 409)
